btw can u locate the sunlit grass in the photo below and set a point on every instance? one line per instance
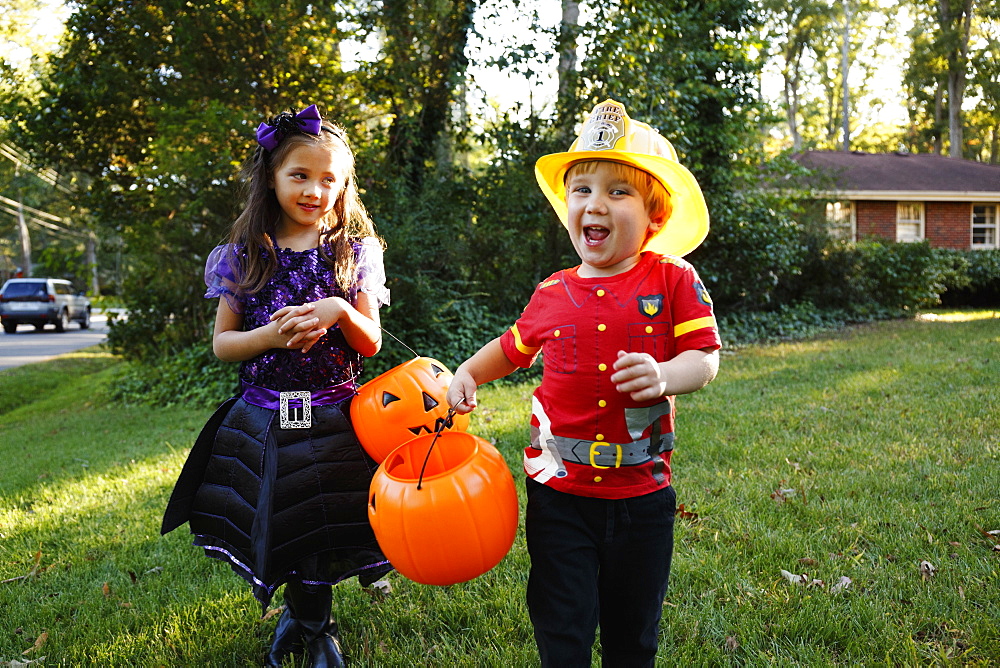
(857, 455)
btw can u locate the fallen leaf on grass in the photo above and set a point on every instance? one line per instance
(991, 536)
(685, 514)
(807, 561)
(732, 644)
(927, 570)
(39, 641)
(782, 494)
(14, 663)
(272, 612)
(804, 580)
(795, 578)
(106, 589)
(792, 578)
(379, 589)
(841, 585)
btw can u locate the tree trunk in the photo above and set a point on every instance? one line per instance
(956, 24)
(569, 27)
(938, 115)
(22, 228)
(845, 66)
(792, 105)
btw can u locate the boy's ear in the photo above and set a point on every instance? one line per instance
(657, 221)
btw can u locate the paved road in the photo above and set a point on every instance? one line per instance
(29, 345)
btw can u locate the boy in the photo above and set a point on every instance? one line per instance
(621, 333)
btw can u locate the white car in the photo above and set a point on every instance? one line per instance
(40, 301)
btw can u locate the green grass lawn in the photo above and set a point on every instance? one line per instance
(869, 456)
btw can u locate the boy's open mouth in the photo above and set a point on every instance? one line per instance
(594, 234)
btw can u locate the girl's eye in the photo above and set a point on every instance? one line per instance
(329, 181)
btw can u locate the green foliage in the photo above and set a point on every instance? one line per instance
(789, 322)
(976, 280)
(155, 105)
(753, 252)
(688, 70)
(192, 376)
(906, 276)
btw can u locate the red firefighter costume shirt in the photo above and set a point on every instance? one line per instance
(587, 438)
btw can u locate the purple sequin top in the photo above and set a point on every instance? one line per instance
(300, 277)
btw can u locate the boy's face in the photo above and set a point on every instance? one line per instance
(607, 222)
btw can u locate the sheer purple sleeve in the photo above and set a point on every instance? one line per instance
(371, 271)
(220, 276)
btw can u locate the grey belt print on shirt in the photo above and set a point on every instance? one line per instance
(601, 454)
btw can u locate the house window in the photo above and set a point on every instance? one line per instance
(909, 221)
(985, 226)
(840, 220)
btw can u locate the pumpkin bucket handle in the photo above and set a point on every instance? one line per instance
(394, 338)
(438, 430)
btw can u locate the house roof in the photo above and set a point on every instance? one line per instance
(901, 176)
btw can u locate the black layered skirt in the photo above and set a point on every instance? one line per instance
(279, 504)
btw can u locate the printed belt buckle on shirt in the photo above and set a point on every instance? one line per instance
(293, 416)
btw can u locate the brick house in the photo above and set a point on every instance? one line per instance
(907, 197)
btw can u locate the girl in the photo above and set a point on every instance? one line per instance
(277, 483)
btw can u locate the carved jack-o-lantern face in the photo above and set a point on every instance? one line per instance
(403, 403)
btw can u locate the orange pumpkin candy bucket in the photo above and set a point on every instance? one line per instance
(404, 402)
(444, 508)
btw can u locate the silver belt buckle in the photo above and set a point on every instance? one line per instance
(292, 416)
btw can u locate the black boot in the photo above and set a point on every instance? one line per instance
(310, 606)
(287, 639)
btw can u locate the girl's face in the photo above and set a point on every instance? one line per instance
(308, 184)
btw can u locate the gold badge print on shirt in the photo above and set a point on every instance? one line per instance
(650, 305)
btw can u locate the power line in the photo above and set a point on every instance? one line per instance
(19, 157)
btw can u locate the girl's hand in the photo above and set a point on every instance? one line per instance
(300, 326)
(639, 375)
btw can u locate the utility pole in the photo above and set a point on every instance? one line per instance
(22, 227)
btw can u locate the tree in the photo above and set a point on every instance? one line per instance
(938, 70)
(688, 69)
(155, 104)
(793, 28)
(36, 219)
(828, 55)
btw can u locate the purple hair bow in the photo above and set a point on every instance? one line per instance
(269, 135)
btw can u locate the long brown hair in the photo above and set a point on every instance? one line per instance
(254, 227)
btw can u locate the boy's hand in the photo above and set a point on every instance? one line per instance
(639, 375)
(462, 393)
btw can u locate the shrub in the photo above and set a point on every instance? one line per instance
(978, 285)
(876, 276)
(193, 376)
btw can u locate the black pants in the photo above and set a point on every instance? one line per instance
(597, 561)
